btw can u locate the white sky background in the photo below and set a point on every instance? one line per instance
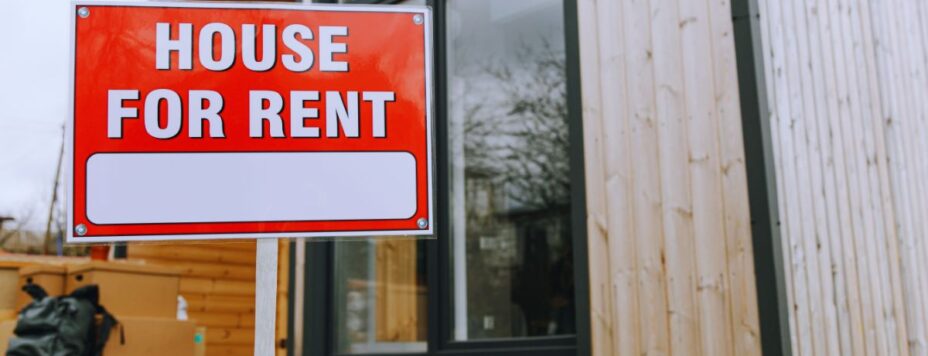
(33, 101)
(34, 57)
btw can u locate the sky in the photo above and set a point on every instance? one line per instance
(34, 59)
(33, 102)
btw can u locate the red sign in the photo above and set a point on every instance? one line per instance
(200, 121)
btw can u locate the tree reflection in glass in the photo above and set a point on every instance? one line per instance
(510, 170)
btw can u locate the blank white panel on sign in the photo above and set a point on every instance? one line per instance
(147, 188)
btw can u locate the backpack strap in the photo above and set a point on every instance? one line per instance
(103, 333)
(99, 336)
(35, 291)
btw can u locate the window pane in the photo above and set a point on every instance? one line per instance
(509, 156)
(380, 296)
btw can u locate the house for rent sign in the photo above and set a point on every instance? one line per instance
(199, 121)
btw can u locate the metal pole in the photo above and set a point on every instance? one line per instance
(265, 297)
(772, 302)
(51, 206)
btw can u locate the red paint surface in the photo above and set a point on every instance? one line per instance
(115, 49)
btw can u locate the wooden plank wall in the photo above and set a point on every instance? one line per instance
(900, 36)
(670, 261)
(218, 282)
(400, 300)
(847, 88)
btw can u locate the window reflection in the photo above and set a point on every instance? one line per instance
(511, 244)
(380, 296)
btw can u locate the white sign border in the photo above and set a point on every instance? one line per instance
(426, 13)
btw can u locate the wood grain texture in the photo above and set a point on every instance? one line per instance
(849, 80)
(229, 350)
(194, 253)
(218, 282)
(604, 330)
(671, 265)
(207, 269)
(674, 152)
(398, 296)
(736, 217)
(899, 46)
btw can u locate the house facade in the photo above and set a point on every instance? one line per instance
(649, 177)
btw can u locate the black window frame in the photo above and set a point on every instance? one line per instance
(319, 305)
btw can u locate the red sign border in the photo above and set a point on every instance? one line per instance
(73, 236)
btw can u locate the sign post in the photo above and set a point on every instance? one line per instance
(265, 296)
(198, 121)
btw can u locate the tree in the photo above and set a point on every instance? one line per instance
(523, 139)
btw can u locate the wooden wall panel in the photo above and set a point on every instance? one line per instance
(900, 35)
(847, 84)
(671, 266)
(600, 59)
(398, 295)
(218, 282)
(736, 217)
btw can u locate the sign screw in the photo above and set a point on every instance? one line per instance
(83, 12)
(80, 229)
(417, 19)
(422, 223)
